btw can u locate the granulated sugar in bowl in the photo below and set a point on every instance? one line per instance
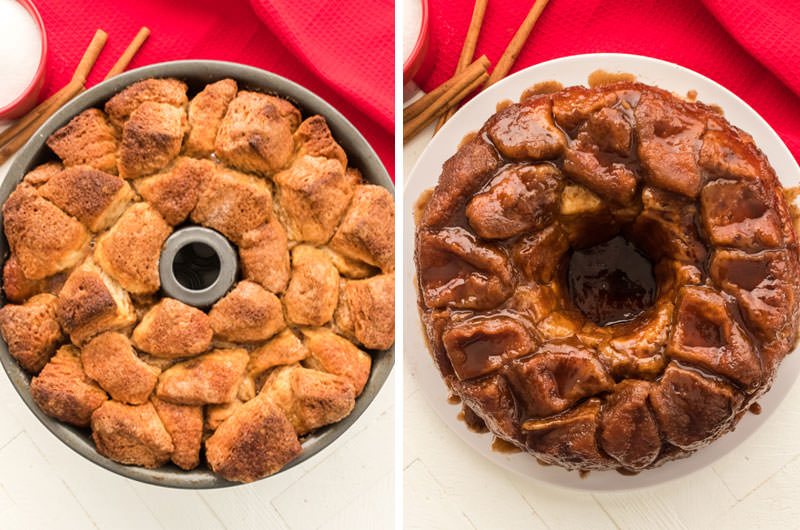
(21, 56)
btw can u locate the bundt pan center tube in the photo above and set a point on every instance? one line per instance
(197, 259)
(197, 266)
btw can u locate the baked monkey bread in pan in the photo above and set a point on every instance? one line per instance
(236, 386)
(608, 276)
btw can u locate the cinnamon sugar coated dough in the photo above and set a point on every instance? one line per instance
(608, 277)
(231, 387)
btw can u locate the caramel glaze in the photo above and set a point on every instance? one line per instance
(503, 104)
(611, 282)
(467, 138)
(602, 77)
(545, 87)
(791, 195)
(473, 421)
(693, 257)
(421, 204)
(501, 446)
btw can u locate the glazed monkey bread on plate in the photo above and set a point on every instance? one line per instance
(607, 277)
(235, 386)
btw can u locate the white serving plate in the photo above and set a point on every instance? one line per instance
(574, 70)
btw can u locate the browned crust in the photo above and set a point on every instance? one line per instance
(131, 434)
(173, 330)
(256, 133)
(87, 139)
(248, 313)
(216, 414)
(264, 256)
(366, 311)
(314, 138)
(312, 196)
(206, 111)
(349, 267)
(16, 286)
(42, 173)
(44, 239)
(233, 203)
(64, 391)
(168, 397)
(313, 290)
(337, 355)
(174, 192)
(309, 398)
(257, 440)
(90, 302)
(31, 331)
(121, 106)
(110, 360)
(210, 378)
(284, 348)
(130, 250)
(367, 230)
(185, 425)
(151, 138)
(92, 196)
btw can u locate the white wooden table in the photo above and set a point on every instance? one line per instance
(448, 485)
(45, 485)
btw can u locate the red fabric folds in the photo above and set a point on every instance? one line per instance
(278, 36)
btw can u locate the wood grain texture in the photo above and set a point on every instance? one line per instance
(35, 465)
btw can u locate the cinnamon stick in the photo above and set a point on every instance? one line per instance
(468, 49)
(46, 108)
(90, 56)
(60, 99)
(14, 137)
(31, 116)
(129, 52)
(464, 78)
(515, 46)
(442, 105)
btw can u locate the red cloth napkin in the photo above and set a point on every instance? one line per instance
(308, 46)
(751, 47)
(344, 43)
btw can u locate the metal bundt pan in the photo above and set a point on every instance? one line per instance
(196, 73)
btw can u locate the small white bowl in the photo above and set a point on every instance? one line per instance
(28, 98)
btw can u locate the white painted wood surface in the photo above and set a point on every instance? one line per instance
(46, 485)
(447, 485)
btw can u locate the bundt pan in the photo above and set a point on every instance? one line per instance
(196, 74)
